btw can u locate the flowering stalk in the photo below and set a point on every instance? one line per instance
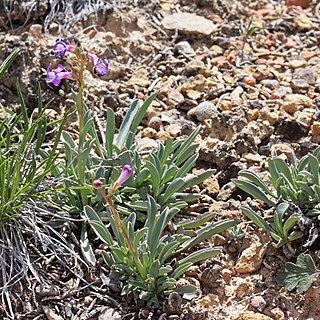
(79, 105)
(54, 77)
(125, 175)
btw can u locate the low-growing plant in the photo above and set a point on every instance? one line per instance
(281, 227)
(21, 143)
(298, 182)
(299, 275)
(249, 30)
(21, 168)
(164, 175)
(24, 220)
(150, 259)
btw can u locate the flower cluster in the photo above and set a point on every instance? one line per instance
(125, 174)
(81, 60)
(55, 76)
(61, 47)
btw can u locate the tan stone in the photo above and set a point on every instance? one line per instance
(315, 128)
(226, 274)
(270, 116)
(303, 22)
(193, 94)
(250, 81)
(36, 31)
(250, 157)
(209, 300)
(193, 271)
(251, 258)
(140, 78)
(305, 117)
(282, 149)
(253, 114)
(188, 23)
(163, 135)
(175, 96)
(299, 100)
(226, 105)
(198, 83)
(211, 184)
(173, 129)
(249, 315)
(289, 107)
(196, 66)
(116, 70)
(216, 49)
(297, 64)
(277, 314)
(149, 132)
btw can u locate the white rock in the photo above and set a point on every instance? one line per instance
(189, 23)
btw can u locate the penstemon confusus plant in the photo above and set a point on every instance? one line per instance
(163, 179)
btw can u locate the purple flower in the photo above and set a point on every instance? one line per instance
(55, 76)
(60, 48)
(124, 175)
(100, 65)
(97, 184)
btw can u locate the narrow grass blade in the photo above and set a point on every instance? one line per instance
(8, 61)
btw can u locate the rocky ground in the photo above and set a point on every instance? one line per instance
(248, 72)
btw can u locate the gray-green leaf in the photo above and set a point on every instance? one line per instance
(299, 275)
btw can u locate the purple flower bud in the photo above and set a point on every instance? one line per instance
(97, 184)
(124, 175)
(55, 76)
(100, 65)
(60, 48)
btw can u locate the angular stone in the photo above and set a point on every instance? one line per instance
(282, 148)
(300, 85)
(140, 78)
(184, 47)
(147, 145)
(294, 64)
(109, 314)
(188, 23)
(194, 67)
(209, 301)
(306, 74)
(303, 22)
(315, 128)
(249, 315)
(299, 99)
(36, 31)
(258, 302)
(278, 314)
(250, 157)
(251, 258)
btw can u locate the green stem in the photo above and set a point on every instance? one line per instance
(79, 103)
(124, 232)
